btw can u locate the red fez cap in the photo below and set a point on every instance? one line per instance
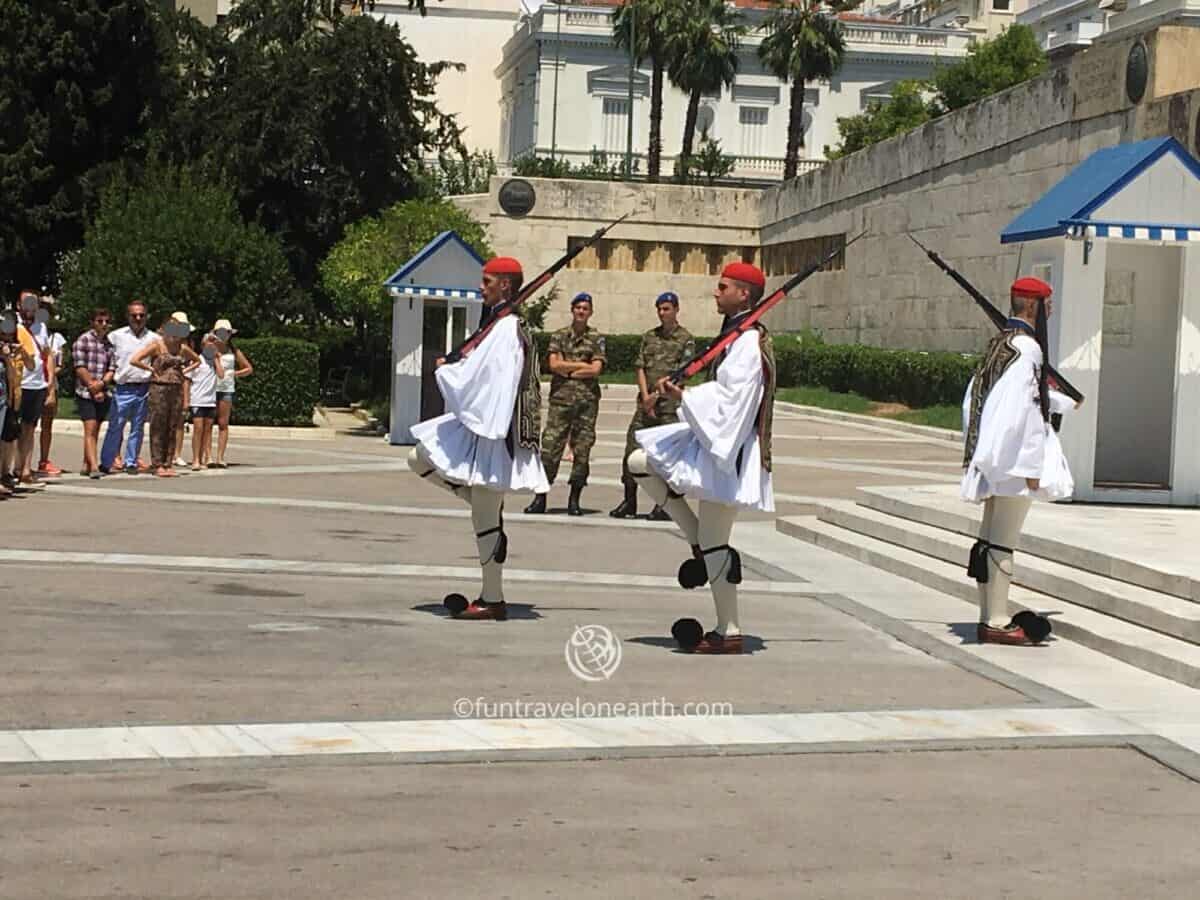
(1031, 287)
(745, 272)
(502, 265)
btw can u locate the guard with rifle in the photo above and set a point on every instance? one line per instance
(719, 452)
(1011, 414)
(1012, 456)
(663, 350)
(486, 444)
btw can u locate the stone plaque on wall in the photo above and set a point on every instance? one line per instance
(1137, 72)
(1118, 307)
(517, 197)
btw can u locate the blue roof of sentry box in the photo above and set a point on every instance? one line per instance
(1089, 185)
(401, 277)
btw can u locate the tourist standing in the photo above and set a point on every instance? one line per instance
(234, 365)
(168, 359)
(95, 368)
(50, 409)
(35, 380)
(204, 378)
(131, 393)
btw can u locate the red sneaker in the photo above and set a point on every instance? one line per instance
(713, 643)
(480, 611)
(45, 467)
(1013, 635)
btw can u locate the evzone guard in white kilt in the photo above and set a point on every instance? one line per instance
(720, 453)
(1012, 456)
(486, 444)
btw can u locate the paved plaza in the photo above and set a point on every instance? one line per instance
(241, 684)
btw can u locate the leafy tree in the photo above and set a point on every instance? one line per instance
(531, 166)
(648, 25)
(991, 66)
(906, 110)
(466, 174)
(704, 57)
(711, 162)
(177, 240)
(803, 43)
(319, 118)
(79, 86)
(353, 273)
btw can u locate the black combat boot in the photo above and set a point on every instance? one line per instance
(573, 508)
(538, 506)
(627, 508)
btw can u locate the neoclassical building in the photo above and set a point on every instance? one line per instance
(564, 89)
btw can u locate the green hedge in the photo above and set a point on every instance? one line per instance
(915, 378)
(285, 385)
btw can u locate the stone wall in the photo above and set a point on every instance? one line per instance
(954, 183)
(624, 300)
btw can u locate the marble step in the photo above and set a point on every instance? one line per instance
(932, 506)
(1151, 609)
(1148, 650)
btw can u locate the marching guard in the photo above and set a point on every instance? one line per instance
(1012, 456)
(720, 453)
(486, 444)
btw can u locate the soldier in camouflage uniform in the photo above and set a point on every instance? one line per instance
(577, 358)
(663, 350)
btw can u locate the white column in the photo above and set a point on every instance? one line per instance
(1185, 468)
(1080, 312)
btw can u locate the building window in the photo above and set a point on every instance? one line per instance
(615, 121)
(1001, 5)
(753, 120)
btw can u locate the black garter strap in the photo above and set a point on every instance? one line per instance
(734, 561)
(500, 551)
(977, 562)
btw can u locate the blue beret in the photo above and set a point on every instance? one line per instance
(667, 297)
(581, 297)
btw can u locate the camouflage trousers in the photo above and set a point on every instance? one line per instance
(664, 414)
(575, 421)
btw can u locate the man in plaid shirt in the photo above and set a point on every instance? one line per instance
(95, 368)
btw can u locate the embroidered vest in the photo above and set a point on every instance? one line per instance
(526, 427)
(1000, 354)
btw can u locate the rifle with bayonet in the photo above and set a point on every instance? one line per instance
(999, 319)
(509, 306)
(742, 324)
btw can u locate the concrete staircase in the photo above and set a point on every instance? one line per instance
(1145, 617)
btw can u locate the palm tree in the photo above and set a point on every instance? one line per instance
(651, 22)
(703, 57)
(803, 43)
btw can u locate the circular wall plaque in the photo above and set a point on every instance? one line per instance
(517, 197)
(1137, 71)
